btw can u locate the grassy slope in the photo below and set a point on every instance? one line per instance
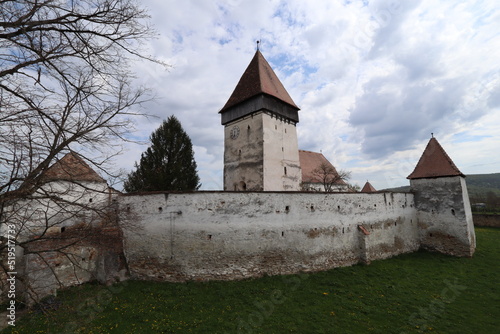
(412, 293)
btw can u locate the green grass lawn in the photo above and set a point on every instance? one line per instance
(414, 293)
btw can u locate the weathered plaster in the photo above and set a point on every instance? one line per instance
(264, 156)
(243, 156)
(281, 155)
(235, 235)
(59, 253)
(444, 215)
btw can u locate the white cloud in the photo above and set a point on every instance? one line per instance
(373, 78)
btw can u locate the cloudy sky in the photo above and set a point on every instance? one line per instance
(373, 79)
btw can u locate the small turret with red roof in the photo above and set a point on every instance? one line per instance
(442, 202)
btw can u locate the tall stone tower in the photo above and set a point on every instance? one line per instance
(442, 203)
(260, 138)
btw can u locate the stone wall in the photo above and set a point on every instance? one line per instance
(444, 214)
(64, 239)
(486, 220)
(70, 258)
(235, 235)
(223, 235)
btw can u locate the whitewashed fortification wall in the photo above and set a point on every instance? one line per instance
(235, 235)
(231, 235)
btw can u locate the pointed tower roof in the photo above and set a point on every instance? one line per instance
(71, 168)
(368, 188)
(258, 78)
(434, 162)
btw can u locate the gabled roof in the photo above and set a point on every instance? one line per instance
(309, 161)
(434, 162)
(71, 168)
(258, 78)
(368, 188)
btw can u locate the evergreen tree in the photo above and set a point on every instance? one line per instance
(168, 164)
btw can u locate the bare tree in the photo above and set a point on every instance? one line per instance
(330, 177)
(65, 85)
(355, 188)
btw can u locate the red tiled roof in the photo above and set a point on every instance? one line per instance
(309, 161)
(258, 78)
(434, 162)
(71, 168)
(368, 188)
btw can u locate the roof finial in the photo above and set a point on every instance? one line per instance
(432, 134)
(258, 45)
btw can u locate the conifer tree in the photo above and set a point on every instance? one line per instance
(168, 164)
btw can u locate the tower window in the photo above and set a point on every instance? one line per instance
(275, 127)
(284, 170)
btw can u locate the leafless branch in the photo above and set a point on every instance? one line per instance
(65, 86)
(330, 177)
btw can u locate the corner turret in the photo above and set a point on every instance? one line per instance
(442, 202)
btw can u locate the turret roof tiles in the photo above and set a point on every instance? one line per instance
(434, 162)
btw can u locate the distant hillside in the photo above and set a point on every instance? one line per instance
(478, 185)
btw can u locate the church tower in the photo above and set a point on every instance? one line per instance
(260, 138)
